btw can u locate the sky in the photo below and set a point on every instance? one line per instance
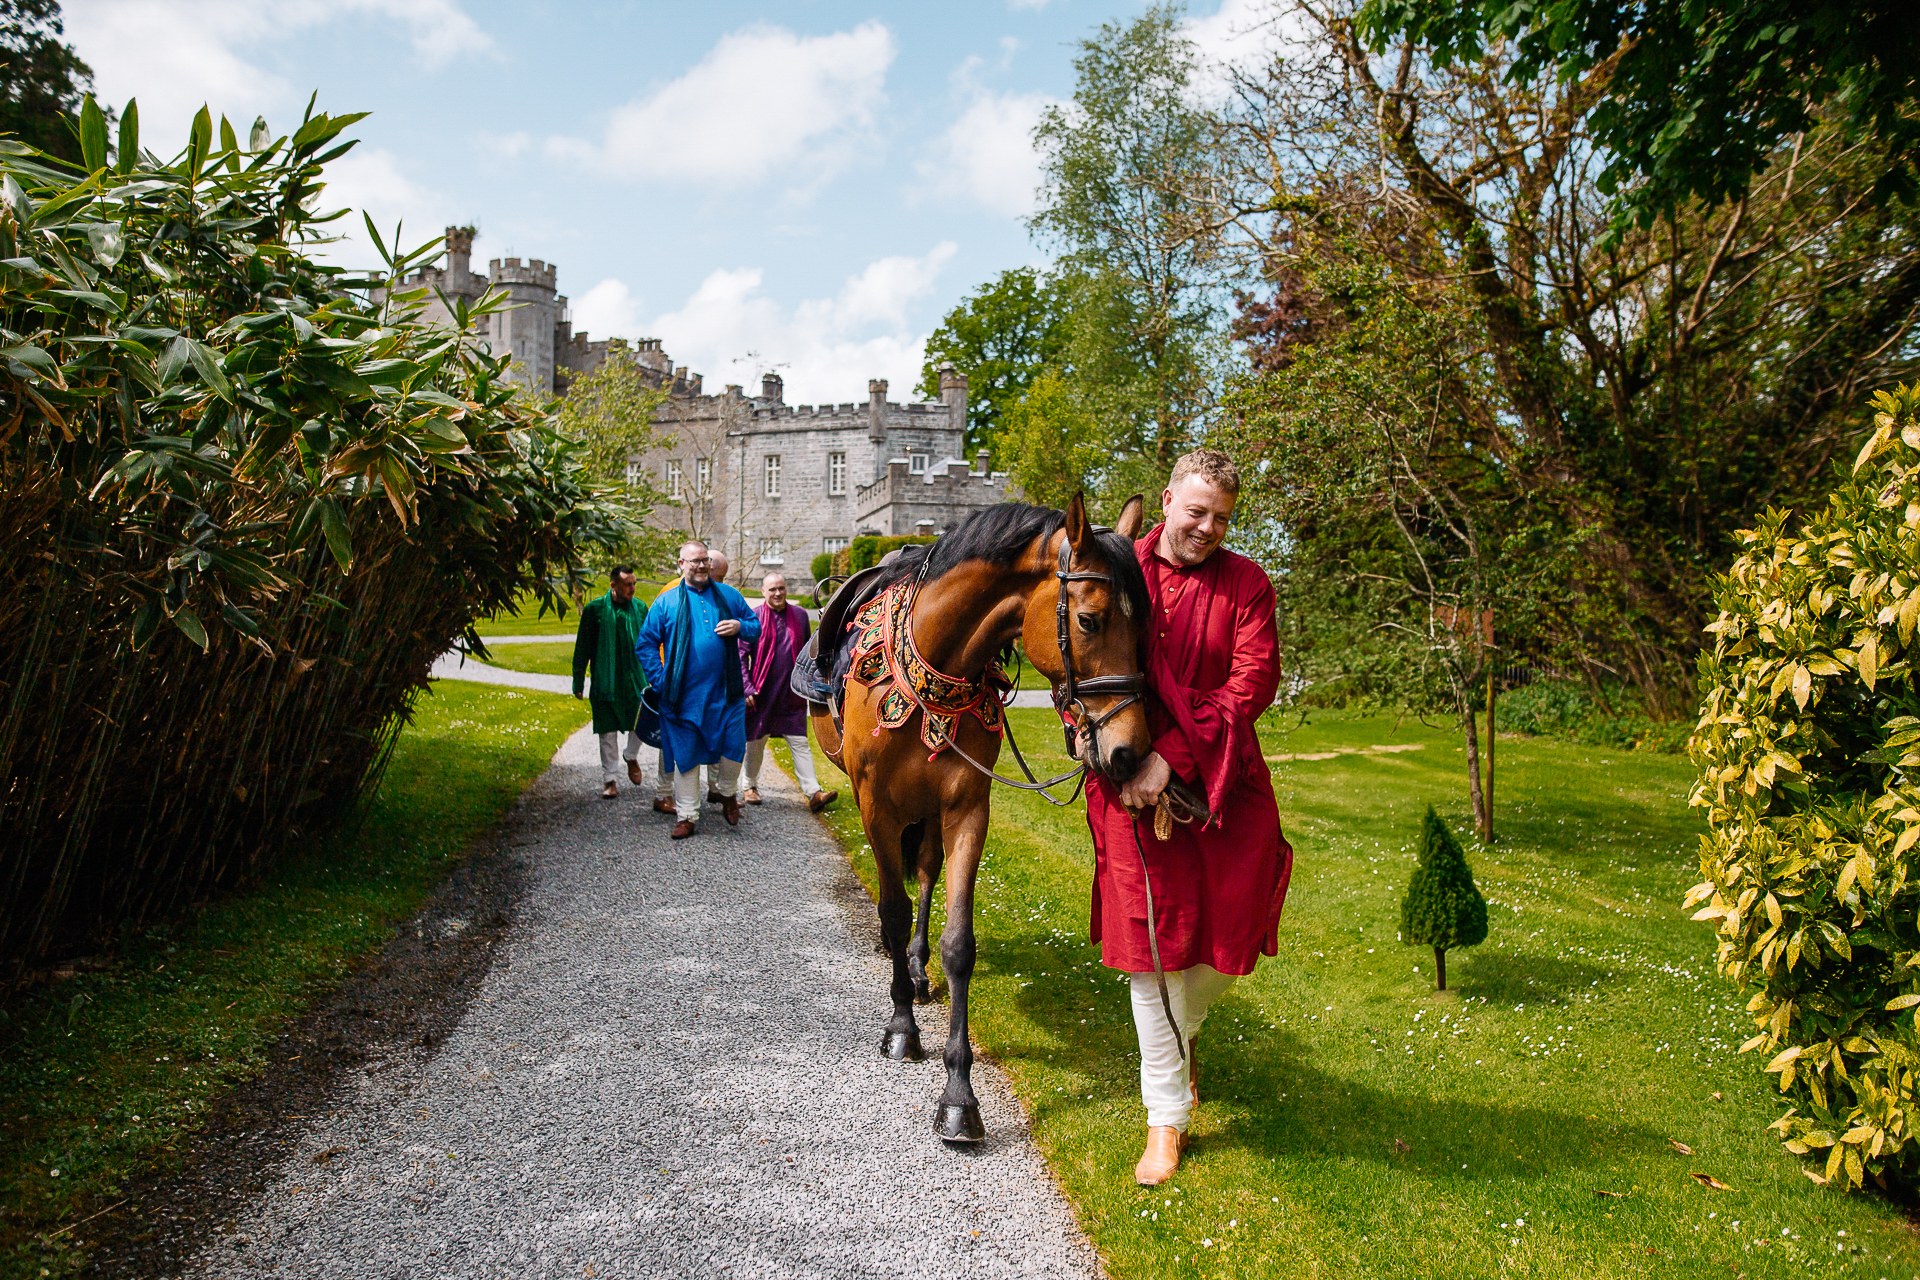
(803, 187)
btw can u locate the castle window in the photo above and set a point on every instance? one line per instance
(633, 473)
(703, 477)
(772, 551)
(773, 475)
(917, 464)
(831, 545)
(836, 475)
(674, 484)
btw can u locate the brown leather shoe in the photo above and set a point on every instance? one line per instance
(682, 829)
(730, 810)
(714, 796)
(820, 800)
(750, 796)
(1162, 1156)
(609, 791)
(633, 773)
(663, 806)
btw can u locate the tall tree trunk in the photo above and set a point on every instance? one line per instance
(1482, 820)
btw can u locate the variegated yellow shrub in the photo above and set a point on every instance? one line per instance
(1808, 745)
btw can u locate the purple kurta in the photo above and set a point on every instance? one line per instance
(776, 712)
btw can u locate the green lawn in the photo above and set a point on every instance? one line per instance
(1353, 1122)
(105, 1074)
(525, 620)
(542, 659)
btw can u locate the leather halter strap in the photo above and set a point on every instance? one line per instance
(1067, 694)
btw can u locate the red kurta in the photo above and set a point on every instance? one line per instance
(1213, 663)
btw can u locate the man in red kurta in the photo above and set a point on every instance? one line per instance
(1213, 665)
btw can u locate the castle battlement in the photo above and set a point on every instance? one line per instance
(509, 271)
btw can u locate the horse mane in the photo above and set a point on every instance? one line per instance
(1001, 534)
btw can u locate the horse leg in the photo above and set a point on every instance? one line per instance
(932, 855)
(958, 1117)
(901, 1040)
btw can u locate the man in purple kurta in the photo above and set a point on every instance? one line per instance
(772, 707)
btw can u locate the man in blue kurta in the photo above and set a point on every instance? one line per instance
(689, 645)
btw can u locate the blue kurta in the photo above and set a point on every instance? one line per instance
(699, 723)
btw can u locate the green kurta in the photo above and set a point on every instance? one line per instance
(609, 629)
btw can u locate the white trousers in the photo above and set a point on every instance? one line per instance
(663, 780)
(611, 755)
(687, 794)
(1164, 1080)
(802, 763)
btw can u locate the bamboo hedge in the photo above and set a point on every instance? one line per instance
(246, 498)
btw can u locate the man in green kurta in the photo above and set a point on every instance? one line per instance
(609, 628)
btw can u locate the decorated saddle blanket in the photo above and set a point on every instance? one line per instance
(880, 654)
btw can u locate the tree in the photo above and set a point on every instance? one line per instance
(1120, 169)
(1000, 337)
(1628, 399)
(1807, 746)
(1443, 909)
(1052, 443)
(1699, 97)
(42, 79)
(610, 413)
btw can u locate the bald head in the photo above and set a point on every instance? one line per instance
(773, 589)
(695, 569)
(719, 559)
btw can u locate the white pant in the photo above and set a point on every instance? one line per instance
(1164, 1081)
(663, 780)
(687, 794)
(802, 763)
(610, 753)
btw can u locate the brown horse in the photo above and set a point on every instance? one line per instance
(1076, 599)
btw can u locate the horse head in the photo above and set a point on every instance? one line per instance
(1084, 636)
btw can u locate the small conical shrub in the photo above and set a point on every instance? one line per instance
(1442, 908)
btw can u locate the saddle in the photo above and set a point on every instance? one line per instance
(818, 674)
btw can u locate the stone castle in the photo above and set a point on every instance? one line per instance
(771, 484)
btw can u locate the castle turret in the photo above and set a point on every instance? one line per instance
(953, 394)
(459, 252)
(877, 422)
(772, 387)
(526, 330)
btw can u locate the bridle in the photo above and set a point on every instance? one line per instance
(1067, 692)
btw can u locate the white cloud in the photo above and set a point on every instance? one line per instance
(763, 101)
(825, 348)
(608, 310)
(373, 181)
(1242, 35)
(175, 55)
(988, 155)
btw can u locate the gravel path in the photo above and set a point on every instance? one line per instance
(671, 1070)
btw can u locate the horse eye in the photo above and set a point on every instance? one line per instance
(1089, 623)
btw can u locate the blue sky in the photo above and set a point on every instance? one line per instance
(807, 186)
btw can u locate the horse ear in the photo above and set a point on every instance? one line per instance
(1077, 520)
(1132, 516)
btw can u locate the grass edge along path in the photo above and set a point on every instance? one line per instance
(1355, 1123)
(103, 1076)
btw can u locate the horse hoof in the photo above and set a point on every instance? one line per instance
(902, 1046)
(959, 1122)
(923, 993)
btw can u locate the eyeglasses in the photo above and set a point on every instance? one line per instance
(701, 560)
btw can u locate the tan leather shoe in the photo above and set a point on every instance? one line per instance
(682, 829)
(633, 773)
(730, 810)
(662, 806)
(1162, 1155)
(820, 800)
(609, 791)
(751, 795)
